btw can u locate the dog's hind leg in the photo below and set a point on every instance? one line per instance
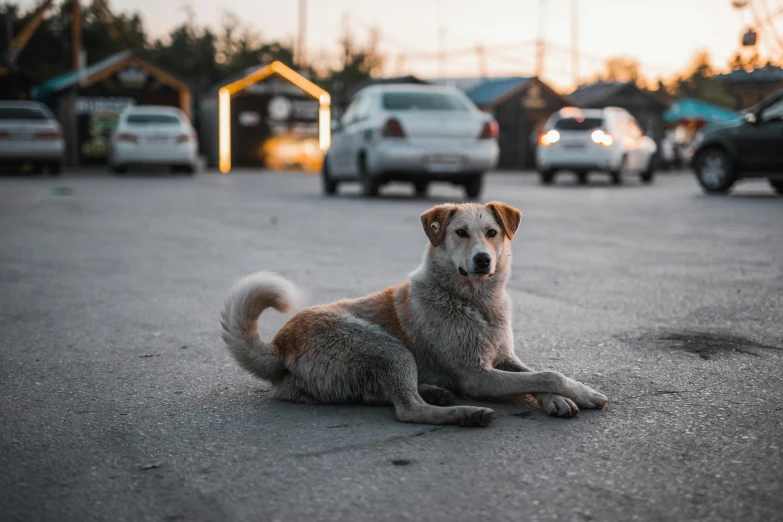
(435, 395)
(287, 390)
(399, 384)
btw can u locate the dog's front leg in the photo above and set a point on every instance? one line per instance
(489, 383)
(554, 405)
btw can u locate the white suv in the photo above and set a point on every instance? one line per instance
(583, 140)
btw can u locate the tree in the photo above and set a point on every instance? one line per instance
(700, 82)
(620, 69)
(745, 61)
(358, 62)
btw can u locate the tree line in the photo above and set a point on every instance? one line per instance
(201, 55)
(206, 56)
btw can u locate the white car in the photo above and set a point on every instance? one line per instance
(411, 133)
(583, 140)
(29, 133)
(153, 135)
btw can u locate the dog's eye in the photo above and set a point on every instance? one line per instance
(462, 232)
(492, 232)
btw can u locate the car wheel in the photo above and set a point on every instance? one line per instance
(581, 177)
(370, 184)
(547, 177)
(474, 186)
(189, 170)
(55, 169)
(777, 186)
(328, 184)
(714, 171)
(118, 169)
(420, 188)
(648, 175)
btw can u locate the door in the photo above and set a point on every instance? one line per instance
(338, 150)
(354, 134)
(637, 154)
(760, 144)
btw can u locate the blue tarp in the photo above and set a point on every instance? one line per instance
(697, 110)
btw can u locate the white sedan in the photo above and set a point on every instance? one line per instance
(582, 140)
(29, 133)
(411, 133)
(153, 135)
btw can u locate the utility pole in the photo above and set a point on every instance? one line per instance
(540, 42)
(441, 42)
(301, 59)
(574, 44)
(481, 54)
(441, 51)
(76, 35)
(400, 67)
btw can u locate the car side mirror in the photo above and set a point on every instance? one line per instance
(749, 117)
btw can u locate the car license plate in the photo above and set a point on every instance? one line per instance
(444, 163)
(574, 145)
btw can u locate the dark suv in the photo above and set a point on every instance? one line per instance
(748, 147)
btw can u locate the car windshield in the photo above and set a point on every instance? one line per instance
(21, 113)
(422, 101)
(153, 119)
(578, 124)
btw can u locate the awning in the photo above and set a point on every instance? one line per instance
(691, 109)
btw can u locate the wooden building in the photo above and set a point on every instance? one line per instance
(750, 87)
(88, 105)
(521, 106)
(267, 117)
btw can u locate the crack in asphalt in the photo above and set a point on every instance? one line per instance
(363, 445)
(658, 393)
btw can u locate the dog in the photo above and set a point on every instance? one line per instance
(445, 331)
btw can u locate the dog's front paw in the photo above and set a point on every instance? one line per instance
(557, 405)
(586, 397)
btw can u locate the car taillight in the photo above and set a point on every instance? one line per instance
(602, 138)
(548, 138)
(183, 138)
(47, 135)
(127, 136)
(489, 131)
(392, 129)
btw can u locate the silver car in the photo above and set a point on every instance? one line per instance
(29, 133)
(411, 133)
(153, 135)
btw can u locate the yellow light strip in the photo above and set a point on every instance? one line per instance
(224, 130)
(224, 107)
(324, 126)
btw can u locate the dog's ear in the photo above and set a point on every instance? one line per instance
(435, 220)
(507, 217)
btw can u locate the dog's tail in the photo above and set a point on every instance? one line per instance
(250, 296)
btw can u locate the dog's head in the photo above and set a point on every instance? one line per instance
(473, 238)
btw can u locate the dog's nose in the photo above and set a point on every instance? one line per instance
(482, 260)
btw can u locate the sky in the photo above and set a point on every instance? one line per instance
(661, 34)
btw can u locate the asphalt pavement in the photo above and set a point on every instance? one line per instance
(119, 402)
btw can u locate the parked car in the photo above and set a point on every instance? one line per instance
(29, 133)
(583, 140)
(411, 133)
(153, 135)
(748, 147)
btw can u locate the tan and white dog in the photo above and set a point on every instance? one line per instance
(445, 331)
